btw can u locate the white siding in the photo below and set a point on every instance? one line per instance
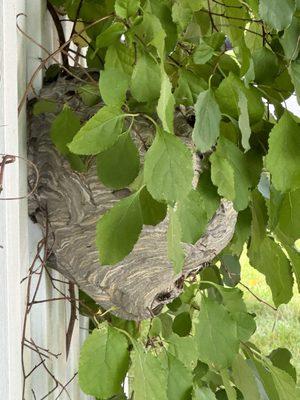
(48, 322)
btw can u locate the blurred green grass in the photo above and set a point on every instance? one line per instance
(274, 329)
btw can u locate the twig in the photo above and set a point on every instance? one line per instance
(258, 298)
(60, 32)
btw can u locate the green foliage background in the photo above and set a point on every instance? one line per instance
(234, 61)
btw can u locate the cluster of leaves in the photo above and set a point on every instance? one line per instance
(197, 349)
(236, 62)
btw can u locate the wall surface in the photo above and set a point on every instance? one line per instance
(48, 320)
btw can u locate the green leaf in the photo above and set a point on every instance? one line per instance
(283, 158)
(289, 217)
(44, 106)
(266, 66)
(166, 104)
(230, 391)
(99, 133)
(245, 379)
(242, 232)
(182, 324)
(182, 13)
(277, 14)
(222, 175)
(180, 380)
(150, 377)
(120, 57)
(118, 230)
(153, 211)
(203, 53)
(154, 32)
(183, 348)
(189, 87)
(244, 123)
(126, 8)
(229, 169)
(290, 39)
(271, 261)
(89, 94)
(294, 71)
(145, 81)
(281, 359)
(227, 96)
(203, 393)
(103, 362)
(111, 35)
(168, 170)
(163, 12)
(193, 216)
(119, 81)
(207, 125)
(246, 325)
(230, 269)
(216, 335)
(63, 129)
(118, 166)
(284, 384)
(175, 250)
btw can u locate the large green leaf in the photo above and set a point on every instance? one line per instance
(207, 125)
(266, 65)
(203, 53)
(182, 324)
(294, 71)
(126, 8)
(175, 250)
(189, 87)
(150, 377)
(145, 81)
(153, 211)
(193, 213)
(120, 57)
(103, 364)
(289, 217)
(118, 229)
(242, 232)
(162, 10)
(277, 14)
(166, 103)
(168, 170)
(99, 133)
(118, 166)
(227, 96)
(283, 158)
(119, 81)
(203, 393)
(111, 35)
(216, 335)
(281, 359)
(230, 173)
(244, 379)
(244, 123)
(270, 260)
(284, 384)
(64, 128)
(154, 33)
(183, 348)
(180, 380)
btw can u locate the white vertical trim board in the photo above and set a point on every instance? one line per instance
(10, 211)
